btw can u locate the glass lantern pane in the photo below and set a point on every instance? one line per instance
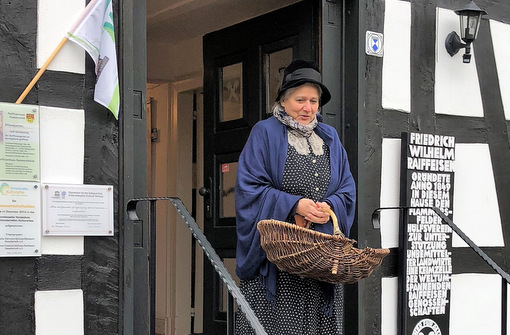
(469, 23)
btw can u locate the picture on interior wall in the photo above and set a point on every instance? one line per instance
(232, 108)
(232, 93)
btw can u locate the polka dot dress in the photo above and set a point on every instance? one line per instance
(298, 307)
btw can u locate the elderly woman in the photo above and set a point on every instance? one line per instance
(291, 166)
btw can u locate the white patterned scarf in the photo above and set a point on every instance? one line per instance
(300, 135)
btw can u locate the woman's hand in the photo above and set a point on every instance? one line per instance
(311, 211)
(301, 221)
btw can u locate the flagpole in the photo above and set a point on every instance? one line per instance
(41, 71)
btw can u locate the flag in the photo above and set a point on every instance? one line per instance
(94, 32)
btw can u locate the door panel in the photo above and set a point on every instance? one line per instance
(243, 65)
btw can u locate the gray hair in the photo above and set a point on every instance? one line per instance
(277, 107)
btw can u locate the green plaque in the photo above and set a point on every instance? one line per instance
(19, 142)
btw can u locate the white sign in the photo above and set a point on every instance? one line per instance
(20, 219)
(77, 210)
(374, 44)
(19, 142)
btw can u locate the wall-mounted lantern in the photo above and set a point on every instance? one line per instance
(470, 17)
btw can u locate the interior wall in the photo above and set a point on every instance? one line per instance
(186, 60)
(181, 160)
(173, 174)
(158, 96)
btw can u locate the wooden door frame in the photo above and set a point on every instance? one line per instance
(351, 70)
(341, 72)
(132, 153)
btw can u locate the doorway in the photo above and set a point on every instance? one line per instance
(243, 66)
(238, 63)
(176, 115)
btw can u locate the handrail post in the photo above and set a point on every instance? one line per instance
(504, 305)
(230, 315)
(152, 265)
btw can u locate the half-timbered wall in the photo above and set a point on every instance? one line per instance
(73, 287)
(417, 87)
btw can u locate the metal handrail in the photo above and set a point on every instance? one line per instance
(504, 275)
(209, 251)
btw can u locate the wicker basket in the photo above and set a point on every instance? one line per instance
(312, 254)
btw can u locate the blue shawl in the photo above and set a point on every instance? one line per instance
(258, 194)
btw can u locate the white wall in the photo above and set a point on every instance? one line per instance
(54, 19)
(396, 85)
(500, 32)
(59, 312)
(457, 91)
(472, 310)
(62, 156)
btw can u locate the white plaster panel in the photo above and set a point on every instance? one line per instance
(475, 204)
(62, 245)
(396, 71)
(54, 19)
(500, 34)
(457, 90)
(390, 192)
(389, 306)
(475, 304)
(62, 145)
(62, 157)
(59, 312)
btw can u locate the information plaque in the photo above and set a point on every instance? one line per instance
(20, 219)
(77, 210)
(19, 142)
(426, 241)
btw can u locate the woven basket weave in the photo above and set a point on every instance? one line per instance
(312, 254)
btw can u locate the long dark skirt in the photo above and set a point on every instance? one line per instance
(297, 310)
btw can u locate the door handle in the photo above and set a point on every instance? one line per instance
(204, 191)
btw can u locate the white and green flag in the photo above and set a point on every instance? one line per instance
(94, 32)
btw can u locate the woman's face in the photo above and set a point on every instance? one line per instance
(302, 103)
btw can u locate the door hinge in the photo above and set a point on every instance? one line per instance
(154, 134)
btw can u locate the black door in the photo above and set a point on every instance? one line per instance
(242, 69)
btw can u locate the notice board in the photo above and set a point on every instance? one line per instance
(425, 265)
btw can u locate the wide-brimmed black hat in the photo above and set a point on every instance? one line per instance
(300, 72)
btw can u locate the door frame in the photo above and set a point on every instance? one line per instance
(131, 41)
(132, 151)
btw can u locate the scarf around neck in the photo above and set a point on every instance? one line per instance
(300, 136)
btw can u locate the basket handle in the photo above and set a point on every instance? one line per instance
(336, 229)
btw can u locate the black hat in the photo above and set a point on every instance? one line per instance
(300, 72)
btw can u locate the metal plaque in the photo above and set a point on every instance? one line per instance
(77, 210)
